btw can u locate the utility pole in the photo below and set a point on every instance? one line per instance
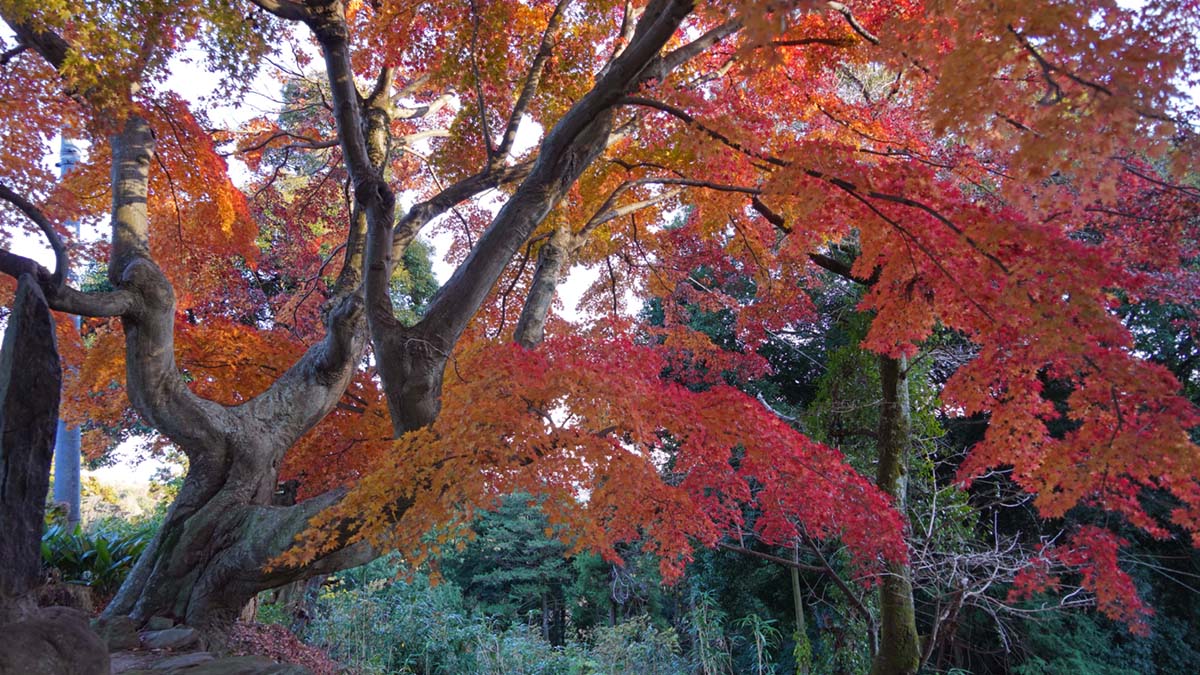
(67, 441)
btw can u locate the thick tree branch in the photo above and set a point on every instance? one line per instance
(133, 149)
(63, 298)
(331, 31)
(11, 54)
(363, 127)
(424, 110)
(552, 261)
(412, 379)
(857, 27)
(350, 277)
(50, 45)
(554, 254)
(456, 193)
(834, 265)
(678, 57)
(290, 10)
(310, 389)
(421, 214)
(565, 152)
(61, 263)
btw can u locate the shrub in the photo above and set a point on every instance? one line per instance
(635, 647)
(376, 624)
(100, 559)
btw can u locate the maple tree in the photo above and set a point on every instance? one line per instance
(1007, 171)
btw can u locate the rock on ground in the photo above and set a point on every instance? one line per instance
(52, 641)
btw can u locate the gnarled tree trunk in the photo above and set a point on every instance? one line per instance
(210, 557)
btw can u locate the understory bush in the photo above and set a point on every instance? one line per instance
(100, 559)
(374, 623)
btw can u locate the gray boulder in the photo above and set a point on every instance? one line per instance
(52, 641)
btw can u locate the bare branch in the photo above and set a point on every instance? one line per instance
(841, 42)
(862, 195)
(854, 24)
(855, 602)
(712, 133)
(1054, 92)
(532, 79)
(772, 558)
(305, 143)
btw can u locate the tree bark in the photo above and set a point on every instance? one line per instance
(30, 377)
(552, 263)
(209, 558)
(803, 650)
(412, 383)
(899, 645)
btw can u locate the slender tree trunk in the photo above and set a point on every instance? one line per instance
(803, 650)
(899, 645)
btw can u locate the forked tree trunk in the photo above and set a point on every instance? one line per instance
(210, 557)
(899, 649)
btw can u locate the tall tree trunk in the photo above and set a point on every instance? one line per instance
(29, 393)
(803, 650)
(899, 646)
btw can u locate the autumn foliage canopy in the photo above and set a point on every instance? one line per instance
(1007, 172)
